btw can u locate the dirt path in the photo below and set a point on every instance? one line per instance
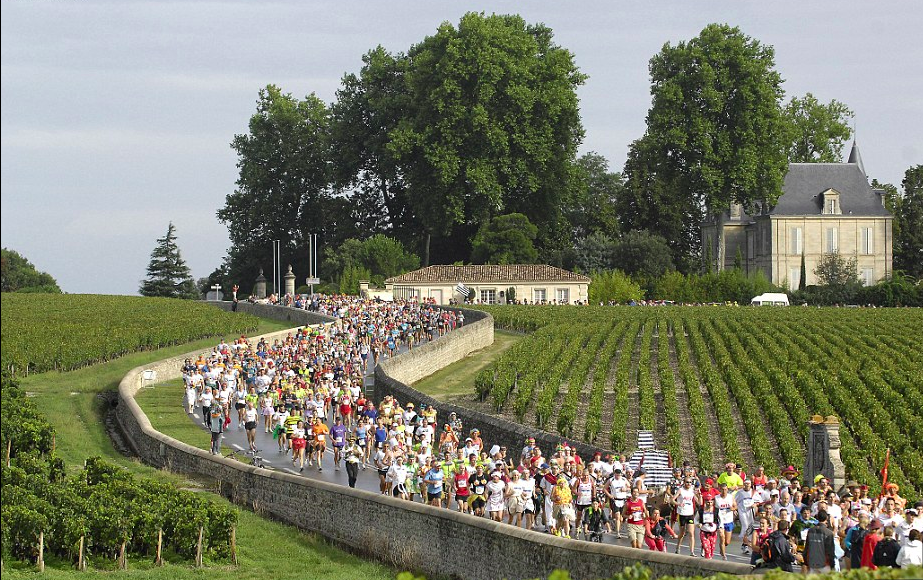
(711, 418)
(660, 425)
(634, 404)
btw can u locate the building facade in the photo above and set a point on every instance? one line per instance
(487, 284)
(825, 208)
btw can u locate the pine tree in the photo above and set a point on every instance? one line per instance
(167, 274)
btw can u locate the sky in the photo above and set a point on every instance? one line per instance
(117, 117)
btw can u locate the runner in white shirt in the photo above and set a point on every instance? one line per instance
(726, 509)
(685, 509)
(747, 500)
(617, 492)
(397, 476)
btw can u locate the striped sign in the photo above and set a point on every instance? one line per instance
(463, 290)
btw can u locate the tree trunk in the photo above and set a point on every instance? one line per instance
(123, 558)
(426, 250)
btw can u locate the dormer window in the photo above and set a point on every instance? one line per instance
(831, 199)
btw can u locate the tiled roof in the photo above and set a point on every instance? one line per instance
(480, 274)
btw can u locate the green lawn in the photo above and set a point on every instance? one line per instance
(164, 406)
(266, 549)
(458, 378)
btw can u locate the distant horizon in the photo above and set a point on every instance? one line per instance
(117, 119)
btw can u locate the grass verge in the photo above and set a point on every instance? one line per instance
(458, 378)
(266, 549)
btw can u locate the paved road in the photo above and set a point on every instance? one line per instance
(235, 438)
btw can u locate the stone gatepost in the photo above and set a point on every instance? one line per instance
(289, 279)
(823, 454)
(259, 289)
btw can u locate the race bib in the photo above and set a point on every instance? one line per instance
(748, 502)
(708, 518)
(321, 437)
(727, 516)
(685, 509)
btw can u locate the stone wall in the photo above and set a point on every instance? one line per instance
(434, 541)
(395, 377)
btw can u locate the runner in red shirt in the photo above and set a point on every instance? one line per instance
(635, 512)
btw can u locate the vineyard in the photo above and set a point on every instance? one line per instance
(720, 384)
(44, 332)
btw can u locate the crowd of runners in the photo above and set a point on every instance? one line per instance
(307, 390)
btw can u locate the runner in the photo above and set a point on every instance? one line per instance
(477, 484)
(708, 527)
(563, 509)
(299, 442)
(747, 504)
(685, 502)
(434, 480)
(460, 488)
(584, 492)
(726, 507)
(617, 492)
(655, 528)
(496, 497)
(338, 434)
(250, 418)
(634, 513)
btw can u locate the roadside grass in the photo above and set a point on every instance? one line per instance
(458, 378)
(266, 549)
(164, 406)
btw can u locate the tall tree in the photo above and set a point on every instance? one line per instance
(284, 185)
(493, 124)
(908, 238)
(167, 274)
(506, 239)
(818, 131)
(20, 275)
(593, 208)
(715, 130)
(640, 253)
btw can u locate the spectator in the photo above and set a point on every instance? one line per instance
(819, 551)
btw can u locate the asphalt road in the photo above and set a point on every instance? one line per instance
(236, 439)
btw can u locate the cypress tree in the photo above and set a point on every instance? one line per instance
(804, 274)
(167, 274)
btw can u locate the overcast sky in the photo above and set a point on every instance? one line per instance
(117, 116)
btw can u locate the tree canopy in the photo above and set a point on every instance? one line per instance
(167, 274)
(818, 131)
(20, 275)
(506, 239)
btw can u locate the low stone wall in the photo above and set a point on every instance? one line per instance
(396, 375)
(435, 541)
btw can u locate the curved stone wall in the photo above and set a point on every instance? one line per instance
(435, 541)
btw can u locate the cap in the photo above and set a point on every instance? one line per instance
(819, 477)
(545, 466)
(875, 525)
(710, 481)
(911, 511)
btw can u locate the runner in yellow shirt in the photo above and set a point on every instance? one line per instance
(731, 478)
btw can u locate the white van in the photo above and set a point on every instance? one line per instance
(770, 299)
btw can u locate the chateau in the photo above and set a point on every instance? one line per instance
(824, 208)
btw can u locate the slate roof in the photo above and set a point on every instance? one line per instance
(805, 182)
(488, 274)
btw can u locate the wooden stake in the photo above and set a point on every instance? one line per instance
(81, 564)
(54, 442)
(123, 559)
(41, 552)
(198, 550)
(159, 560)
(234, 545)
(9, 446)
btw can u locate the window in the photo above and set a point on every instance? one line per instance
(832, 202)
(868, 276)
(794, 278)
(488, 296)
(833, 245)
(562, 295)
(796, 242)
(539, 295)
(868, 246)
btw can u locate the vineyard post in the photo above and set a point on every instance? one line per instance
(41, 552)
(123, 558)
(81, 563)
(234, 545)
(9, 446)
(198, 550)
(159, 560)
(54, 442)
